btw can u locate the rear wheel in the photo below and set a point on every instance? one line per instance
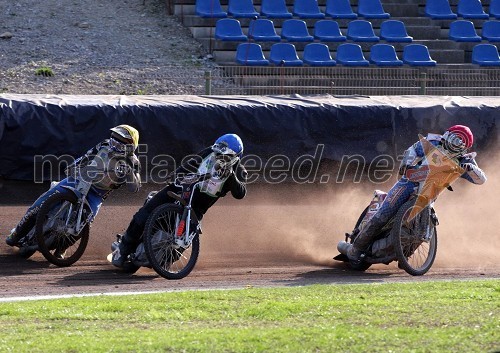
(168, 259)
(415, 254)
(55, 242)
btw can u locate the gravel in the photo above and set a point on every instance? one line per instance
(92, 47)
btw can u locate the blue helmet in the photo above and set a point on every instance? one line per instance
(230, 146)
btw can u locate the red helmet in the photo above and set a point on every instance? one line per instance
(458, 139)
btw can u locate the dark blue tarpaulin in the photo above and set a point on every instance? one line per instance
(292, 126)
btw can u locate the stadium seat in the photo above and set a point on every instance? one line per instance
(485, 55)
(339, 9)
(318, 54)
(295, 31)
(384, 55)
(417, 55)
(262, 30)
(371, 9)
(307, 9)
(250, 54)
(394, 31)
(284, 54)
(328, 31)
(229, 29)
(491, 31)
(495, 8)
(463, 31)
(241, 8)
(209, 9)
(361, 31)
(274, 9)
(439, 9)
(471, 9)
(350, 54)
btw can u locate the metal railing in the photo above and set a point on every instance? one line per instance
(244, 80)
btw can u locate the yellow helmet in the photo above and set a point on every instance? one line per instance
(126, 134)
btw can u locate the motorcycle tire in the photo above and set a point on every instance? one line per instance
(164, 258)
(414, 256)
(361, 265)
(51, 244)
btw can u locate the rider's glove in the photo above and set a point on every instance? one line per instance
(122, 169)
(467, 166)
(222, 171)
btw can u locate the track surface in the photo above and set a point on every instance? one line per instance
(283, 245)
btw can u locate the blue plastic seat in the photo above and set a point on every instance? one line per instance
(250, 54)
(485, 55)
(417, 55)
(439, 9)
(350, 54)
(384, 55)
(339, 9)
(295, 31)
(284, 54)
(495, 8)
(242, 9)
(229, 29)
(371, 9)
(463, 31)
(394, 31)
(209, 9)
(274, 9)
(262, 30)
(328, 31)
(318, 54)
(471, 9)
(361, 31)
(491, 31)
(307, 9)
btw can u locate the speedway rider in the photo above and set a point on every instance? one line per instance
(108, 165)
(455, 142)
(221, 160)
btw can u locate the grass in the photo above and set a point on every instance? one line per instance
(405, 317)
(44, 71)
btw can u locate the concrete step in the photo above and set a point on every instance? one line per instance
(394, 9)
(365, 46)
(442, 56)
(417, 32)
(196, 21)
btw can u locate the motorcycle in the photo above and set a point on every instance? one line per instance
(171, 238)
(62, 227)
(410, 237)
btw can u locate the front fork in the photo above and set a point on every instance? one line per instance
(183, 228)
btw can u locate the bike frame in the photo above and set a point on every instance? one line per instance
(81, 190)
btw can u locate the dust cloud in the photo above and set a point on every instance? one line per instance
(302, 223)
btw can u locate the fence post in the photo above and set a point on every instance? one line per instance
(423, 83)
(208, 83)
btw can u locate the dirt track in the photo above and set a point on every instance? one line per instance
(281, 238)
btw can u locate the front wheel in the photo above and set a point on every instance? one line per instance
(168, 259)
(415, 255)
(55, 242)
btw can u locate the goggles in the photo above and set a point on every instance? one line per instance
(221, 148)
(120, 146)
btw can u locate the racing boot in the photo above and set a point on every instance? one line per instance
(13, 238)
(122, 252)
(364, 239)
